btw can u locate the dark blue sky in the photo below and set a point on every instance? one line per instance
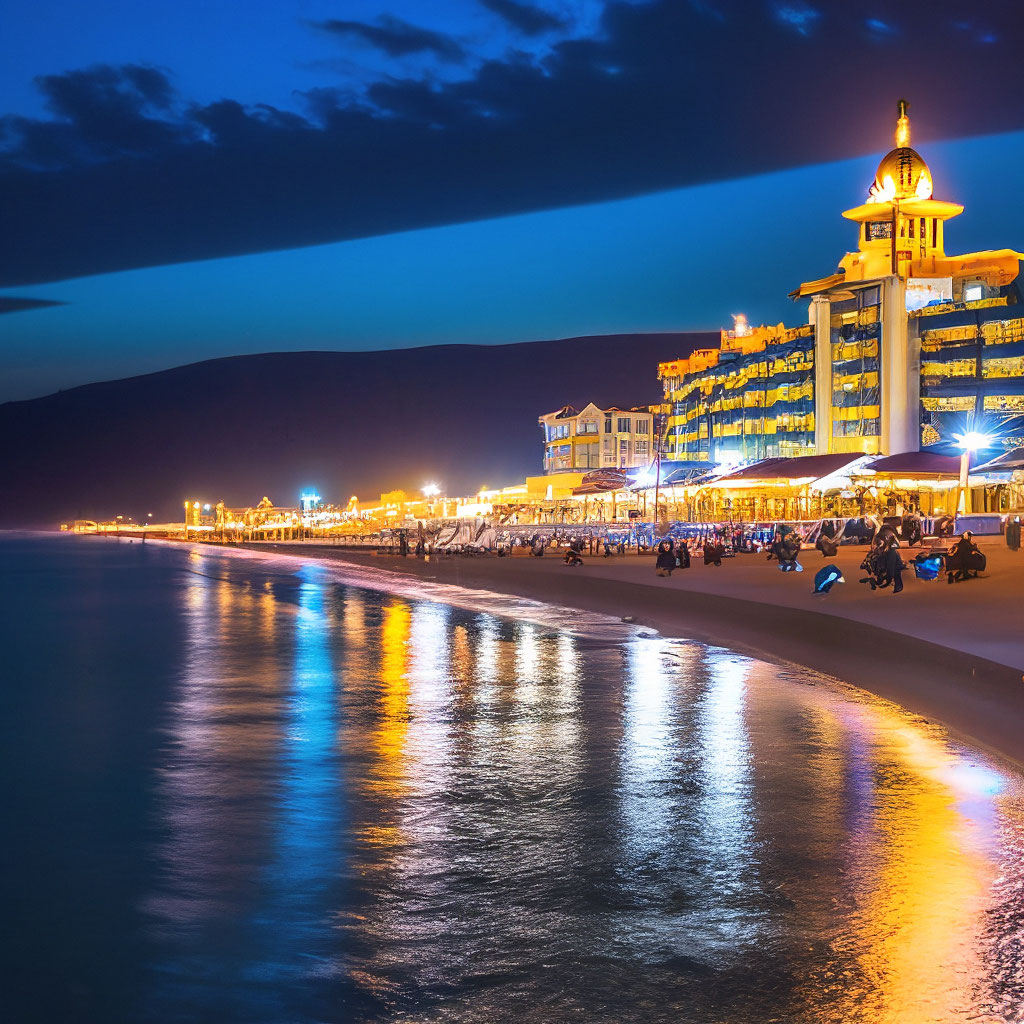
(199, 179)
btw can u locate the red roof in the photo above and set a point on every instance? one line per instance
(918, 464)
(812, 467)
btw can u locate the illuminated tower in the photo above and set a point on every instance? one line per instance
(866, 369)
(901, 226)
(907, 345)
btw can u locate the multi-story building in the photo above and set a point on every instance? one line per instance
(904, 344)
(752, 398)
(581, 440)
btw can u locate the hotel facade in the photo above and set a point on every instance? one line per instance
(904, 346)
(591, 438)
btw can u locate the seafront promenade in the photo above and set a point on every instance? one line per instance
(949, 653)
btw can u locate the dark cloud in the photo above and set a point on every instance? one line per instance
(100, 113)
(10, 304)
(665, 94)
(525, 18)
(395, 37)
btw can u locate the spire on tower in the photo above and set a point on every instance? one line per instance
(902, 125)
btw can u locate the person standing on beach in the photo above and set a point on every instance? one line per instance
(1013, 534)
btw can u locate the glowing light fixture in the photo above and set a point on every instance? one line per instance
(973, 440)
(968, 442)
(431, 490)
(885, 194)
(646, 477)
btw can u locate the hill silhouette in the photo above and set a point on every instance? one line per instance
(346, 423)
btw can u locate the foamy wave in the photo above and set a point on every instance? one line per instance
(584, 624)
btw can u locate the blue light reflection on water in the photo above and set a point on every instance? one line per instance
(687, 803)
(368, 806)
(307, 847)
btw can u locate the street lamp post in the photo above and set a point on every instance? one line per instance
(968, 443)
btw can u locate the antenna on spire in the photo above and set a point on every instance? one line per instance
(902, 125)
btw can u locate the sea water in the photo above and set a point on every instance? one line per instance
(262, 789)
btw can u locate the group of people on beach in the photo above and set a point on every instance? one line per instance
(883, 564)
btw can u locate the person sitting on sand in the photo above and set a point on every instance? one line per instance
(964, 559)
(894, 566)
(826, 545)
(911, 529)
(787, 550)
(713, 552)
(666, 560)
(572, 557)
(683, 555)
(884, 562)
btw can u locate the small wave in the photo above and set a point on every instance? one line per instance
(591, 626)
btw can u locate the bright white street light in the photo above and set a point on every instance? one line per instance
(973, 440)
(969, 442)
(431, 490)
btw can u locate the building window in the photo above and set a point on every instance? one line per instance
(607, 424)
(588, 427)
(623, 427)
(640, 447)
(643, 427)
(974, 292)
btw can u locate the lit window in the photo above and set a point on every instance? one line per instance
(974, 292)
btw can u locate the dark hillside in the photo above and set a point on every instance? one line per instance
(343, 422)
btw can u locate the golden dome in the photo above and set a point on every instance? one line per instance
(902, 174)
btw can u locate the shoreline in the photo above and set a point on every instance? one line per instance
(978, 699)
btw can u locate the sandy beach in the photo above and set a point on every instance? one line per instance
(953, 654)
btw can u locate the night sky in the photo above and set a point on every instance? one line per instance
(189, 180)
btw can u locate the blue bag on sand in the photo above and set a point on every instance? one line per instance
(826, 577)
(928, 565)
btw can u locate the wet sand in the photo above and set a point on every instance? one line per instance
(953, 654)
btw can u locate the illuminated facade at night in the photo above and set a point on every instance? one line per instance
(904, 345)
(751, 398)
(580, 440)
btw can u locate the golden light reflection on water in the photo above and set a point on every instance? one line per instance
(919, 931)
(389, 739)
(494, 770)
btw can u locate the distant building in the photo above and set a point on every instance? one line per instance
(904, 346)
(581, 440)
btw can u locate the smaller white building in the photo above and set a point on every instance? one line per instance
(592, 438)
